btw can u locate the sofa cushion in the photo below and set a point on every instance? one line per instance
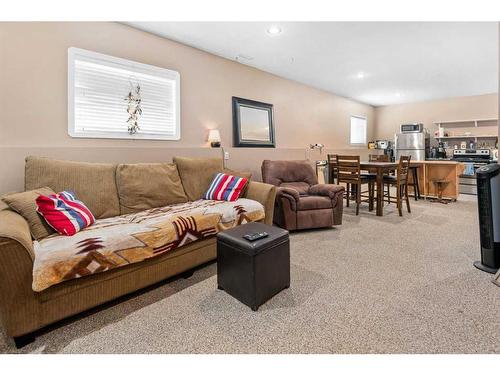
(63, 212)
(243, 174)
(93, 183)
(313, 202)
(197, 174)
(225, 187)
(25, 205)
(119, 241)
(148, 185)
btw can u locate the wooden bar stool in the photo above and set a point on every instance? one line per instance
(414, 183)
(401, 183)
(349, 172)
(440, 185)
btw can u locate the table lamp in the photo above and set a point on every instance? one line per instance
(214, 137)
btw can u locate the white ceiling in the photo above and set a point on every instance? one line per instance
(401, 62)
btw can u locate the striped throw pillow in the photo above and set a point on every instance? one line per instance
(64, 212)
(225, 187)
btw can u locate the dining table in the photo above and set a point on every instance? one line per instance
(380, 168)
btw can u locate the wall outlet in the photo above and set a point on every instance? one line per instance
(226, 155)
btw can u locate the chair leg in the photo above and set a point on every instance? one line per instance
(415, 184)
(358, 198)
(371, 193)
(374, 184)
(407, 199)
(389, 193)
(347, 194)
(398, 199)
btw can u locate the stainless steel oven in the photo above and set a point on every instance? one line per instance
(472, 159)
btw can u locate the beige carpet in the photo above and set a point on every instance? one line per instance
(374, 285)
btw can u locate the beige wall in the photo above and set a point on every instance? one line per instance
(33, 99)
(33, 102)
(389, 118)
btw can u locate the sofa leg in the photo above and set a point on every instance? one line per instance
(187, 274)
(24, 340)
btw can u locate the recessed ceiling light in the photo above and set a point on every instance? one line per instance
(360, 75)
(244, 57)
(274, 30)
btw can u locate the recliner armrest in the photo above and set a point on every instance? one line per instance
(288, 193)
(326, 190)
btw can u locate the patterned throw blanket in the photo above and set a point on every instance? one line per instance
(122, 240)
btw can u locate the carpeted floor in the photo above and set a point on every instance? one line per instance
(373, 285)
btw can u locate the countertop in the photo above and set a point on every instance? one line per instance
(436, 162)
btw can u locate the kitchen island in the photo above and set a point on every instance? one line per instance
(432, 170)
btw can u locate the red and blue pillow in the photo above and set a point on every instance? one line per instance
(64, 212)
(225, 187)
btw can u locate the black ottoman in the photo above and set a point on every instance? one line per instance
(253, 272)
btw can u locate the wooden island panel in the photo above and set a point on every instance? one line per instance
(438, 170)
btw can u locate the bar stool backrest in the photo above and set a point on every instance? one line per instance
(348, 169)
(332, 167)
(403, 166)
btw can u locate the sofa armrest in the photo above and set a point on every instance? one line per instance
(17, 301)
(326, 190)
(265, 194)
(15, 228)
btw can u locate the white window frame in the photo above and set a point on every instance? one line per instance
(171, 74)
(350, 131)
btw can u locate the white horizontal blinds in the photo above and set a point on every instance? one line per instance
(358, 130)
(101, 86)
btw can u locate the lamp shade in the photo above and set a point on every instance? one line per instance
(214, 135)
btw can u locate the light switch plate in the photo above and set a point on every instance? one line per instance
(226, 155)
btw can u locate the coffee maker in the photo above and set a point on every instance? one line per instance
(441, 151)
(386, 147)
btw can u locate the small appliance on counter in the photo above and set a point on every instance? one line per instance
(488, 199)
(382, 144)
(438, 152)
(441, 151)
(387, 147)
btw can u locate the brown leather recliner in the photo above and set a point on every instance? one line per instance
(302, 203)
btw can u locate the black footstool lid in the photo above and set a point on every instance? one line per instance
(234, 237)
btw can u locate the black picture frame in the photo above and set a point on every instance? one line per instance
(241, 129)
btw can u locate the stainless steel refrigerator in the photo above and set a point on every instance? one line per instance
(414, 144)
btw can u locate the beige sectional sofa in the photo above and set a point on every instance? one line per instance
(100, 186)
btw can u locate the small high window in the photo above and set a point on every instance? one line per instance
(110, 97)
(358, 130)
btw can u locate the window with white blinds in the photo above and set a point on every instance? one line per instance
(98, 87)
(358, 130)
